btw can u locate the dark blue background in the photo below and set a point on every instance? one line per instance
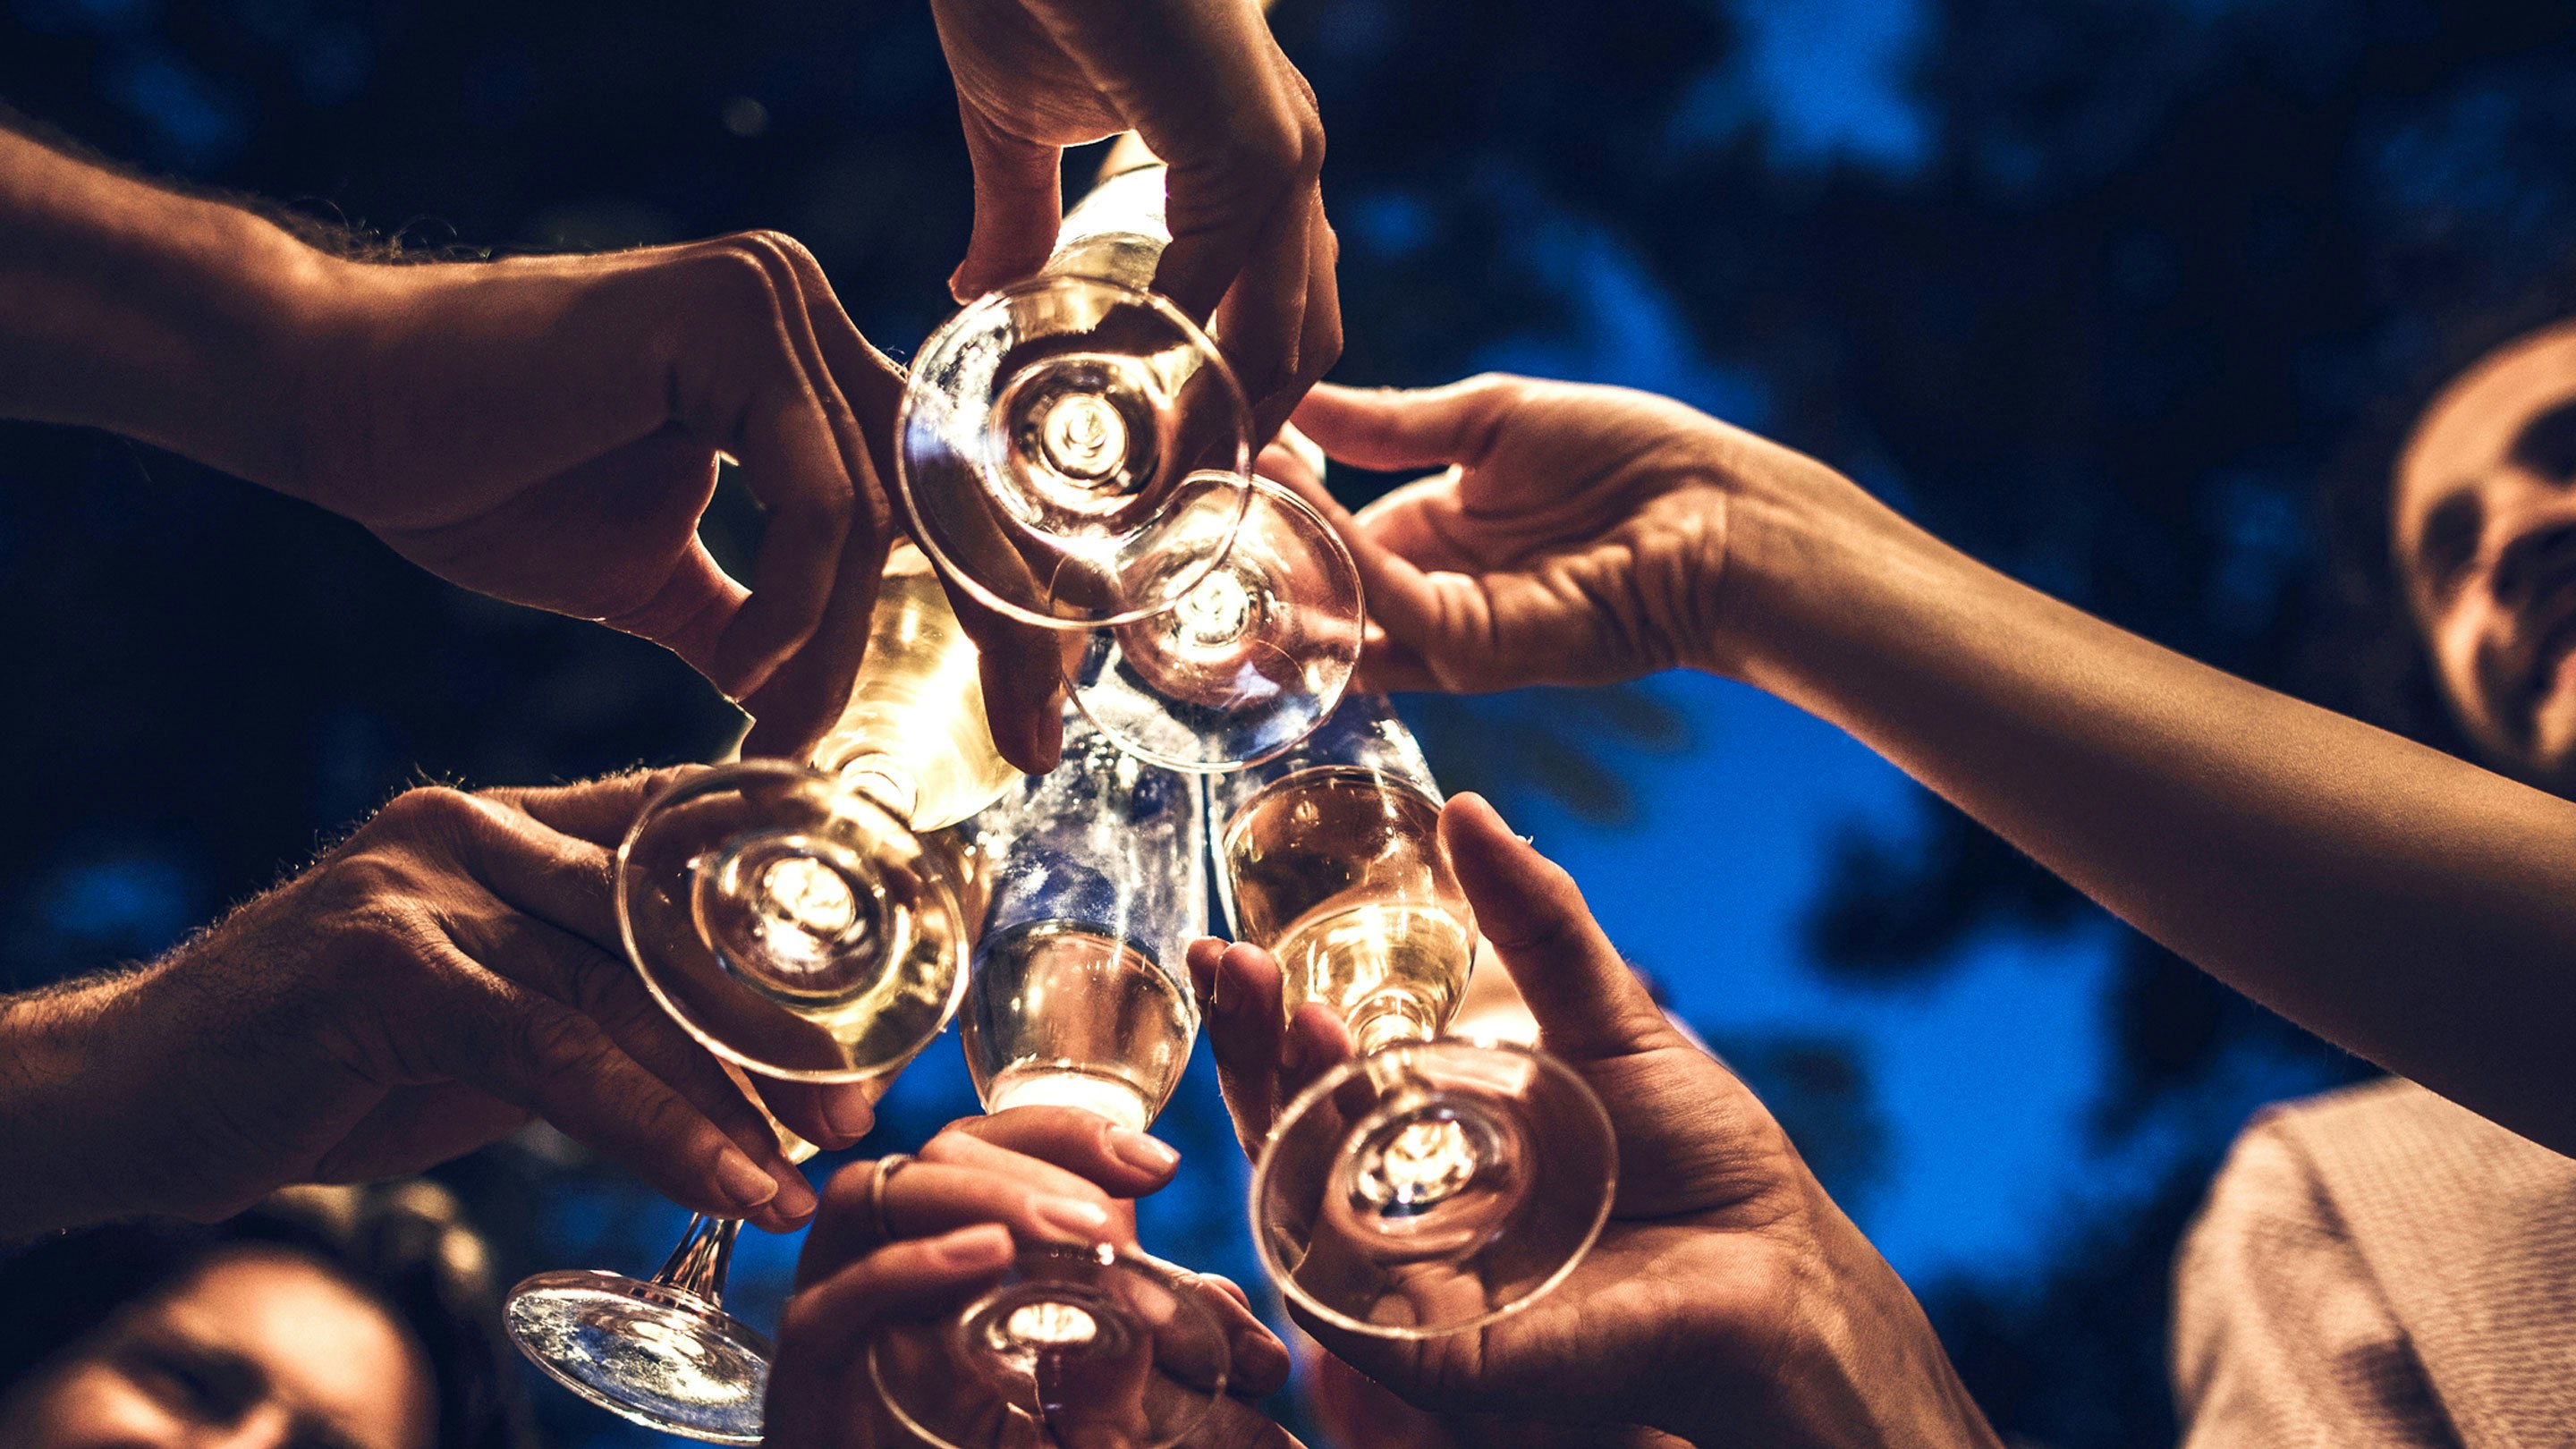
(2123, 295)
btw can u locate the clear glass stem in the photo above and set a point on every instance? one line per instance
(697, 1266)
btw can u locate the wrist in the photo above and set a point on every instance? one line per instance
(1814, 568)
(165, 317)
(1856, 1365)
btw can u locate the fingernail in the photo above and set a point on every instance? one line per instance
(742, 1183)
(1071, 1216)
(1145, 1154)
(987, 1245)
(795, 1197)
(848, 1113)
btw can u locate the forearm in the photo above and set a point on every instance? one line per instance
(2413, 908)
(60, 1103)
(164, 317)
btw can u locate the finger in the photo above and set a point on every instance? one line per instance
(1245, 1030)
(831, 1115)
(1316, 1041)
(827, 1325)
(923, 1198)
(766, 401)
(1118, 1161)
(1021, 668)
(1407, 607)
(1259, 1363)
(960, 1149)
(560, 879)
(1252, 143)
(1387, 428)
(1588, 1003)
(690, 612)
(1262, 322)
(521, 1047)
(600, 811)
(808, 690)
(1019, 206)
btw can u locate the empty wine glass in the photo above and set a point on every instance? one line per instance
(1048, 430)
(1426, 1186)
(1254, 656)
(804, 923)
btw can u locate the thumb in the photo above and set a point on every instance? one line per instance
(1019, 206)
(1588, 1003)
(1391, 428)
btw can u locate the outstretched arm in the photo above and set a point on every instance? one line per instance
(544, 430)
(2408, 906)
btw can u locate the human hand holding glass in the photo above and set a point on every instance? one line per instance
(1726, 1300)
(1427, 1186)
(1072, 1335)
(1077, 1009)
(1074, 454)
(803, 923)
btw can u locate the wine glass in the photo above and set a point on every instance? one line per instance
(1049, 429)
(1251, 659)
(1078, 996)
(804, 923)
(1077, 999)
(1427, 1186)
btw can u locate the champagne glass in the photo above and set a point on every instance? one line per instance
(1251, 659)
(1049, 429)
(802, 922)
(1078, 996)
(1077, 999)
(1428, 1186)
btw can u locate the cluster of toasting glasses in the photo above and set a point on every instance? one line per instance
(1074, 453)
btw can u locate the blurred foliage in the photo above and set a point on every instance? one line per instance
(2106, 292)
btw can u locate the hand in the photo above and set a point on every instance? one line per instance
(546, 430)
(424, 989)
(1206, 87)
(1579, 536)
(1728, 1300)
(985, 1184)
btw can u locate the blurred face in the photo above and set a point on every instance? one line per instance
(2485, 538)
(259, 1350)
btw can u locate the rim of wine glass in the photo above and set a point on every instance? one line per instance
(1132, 1260)
(1278, 492)
(785, 771)
(1305, 1100)
(927, 537)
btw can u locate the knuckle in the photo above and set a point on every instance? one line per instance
(731, 276)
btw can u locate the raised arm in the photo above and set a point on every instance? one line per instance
(2413, 908)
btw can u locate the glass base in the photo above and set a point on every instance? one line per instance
(652, 1354)
(1430, 1189)
(1076, 1347)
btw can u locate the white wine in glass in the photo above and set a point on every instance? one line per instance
(1426, 1186)
(1077, 999)
(804, 923)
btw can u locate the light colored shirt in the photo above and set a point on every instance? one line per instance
(2378, 1267)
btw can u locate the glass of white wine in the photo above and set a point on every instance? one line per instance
(1051, 431)
(1427, 1186)
(1077, 999)
(803, 922)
